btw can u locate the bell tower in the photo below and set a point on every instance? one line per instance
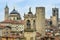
(6, 12)
(40, 20)
(55, 12)
(29, 20)
(55, 16)
(29, 26)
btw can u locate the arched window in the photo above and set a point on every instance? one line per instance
(28, 24)
(53, 12)
(50, 23)
(33, 22)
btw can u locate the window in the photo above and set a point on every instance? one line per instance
(28, 24)
(21, 32)
(6, 33)
(50, 23)
(14, 18)
(17, 18)
(34, 25)
(34, 22)
(53, 12)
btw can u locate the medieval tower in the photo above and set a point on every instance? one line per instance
(40, 20)
(29, 20)
(6, 12)
(29, 25)
(54, 16)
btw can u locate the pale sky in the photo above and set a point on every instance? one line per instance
(22, 6)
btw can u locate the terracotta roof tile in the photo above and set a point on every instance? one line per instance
(38, 34)
(14, 36)
(2, 26)
(13, 22)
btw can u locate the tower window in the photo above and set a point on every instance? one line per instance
(50, 23)
(33, 22)
(28, 24)
(17, 18)
(53, 12)
(21, 32)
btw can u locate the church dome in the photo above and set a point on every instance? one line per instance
(14, 12)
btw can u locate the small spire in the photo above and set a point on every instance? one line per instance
(6, 6)
(14, 8)
(30, 9)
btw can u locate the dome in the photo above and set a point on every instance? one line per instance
(29, 12)
(14, 12)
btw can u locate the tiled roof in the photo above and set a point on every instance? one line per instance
(2, 26)
(38, 34)
(14, 36)
(54, 27)
(13, 22)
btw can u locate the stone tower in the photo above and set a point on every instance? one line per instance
(40, 20)
(54, 16)
(29, 20)
(29, 25)
(6, 12)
